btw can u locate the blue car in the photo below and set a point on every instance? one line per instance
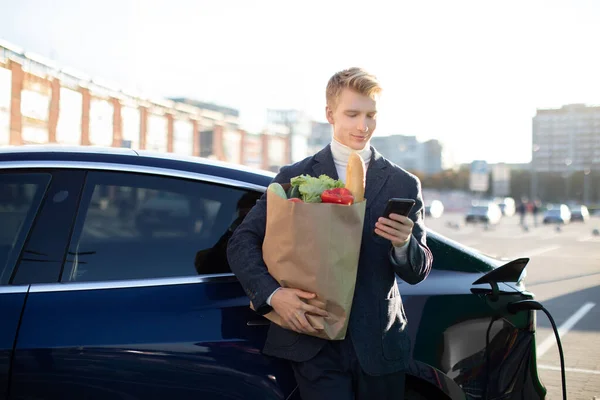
(114, 284)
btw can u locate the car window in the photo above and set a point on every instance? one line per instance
(134, 226)
(43, 253)
(20, 197)
(479, 210)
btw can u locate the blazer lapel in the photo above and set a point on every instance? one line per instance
(324, 163)
(376, 176)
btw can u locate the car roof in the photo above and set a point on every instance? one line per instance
(61, 148)
(482, 205)
(554, 210)
(143, 158)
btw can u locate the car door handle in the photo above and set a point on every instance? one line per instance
(258, 322)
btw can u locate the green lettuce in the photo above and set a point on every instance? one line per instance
(311, 188)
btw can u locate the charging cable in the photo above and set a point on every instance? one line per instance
(526, 305)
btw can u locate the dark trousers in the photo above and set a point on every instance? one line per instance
(335, 374)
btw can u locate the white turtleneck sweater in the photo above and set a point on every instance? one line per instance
(341, 153)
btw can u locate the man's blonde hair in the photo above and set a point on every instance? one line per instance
(355, 79)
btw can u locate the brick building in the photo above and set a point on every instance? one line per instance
(42, 103)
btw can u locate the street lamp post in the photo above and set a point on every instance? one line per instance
(586, 185)
(567, 176)
(534, 177)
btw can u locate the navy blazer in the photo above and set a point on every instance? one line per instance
(377, 325)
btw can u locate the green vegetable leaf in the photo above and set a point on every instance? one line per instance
(311, 188)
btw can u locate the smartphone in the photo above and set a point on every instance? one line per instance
(398, 206)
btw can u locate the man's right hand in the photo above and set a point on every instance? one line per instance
(288, 304)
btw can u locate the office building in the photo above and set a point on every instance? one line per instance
(321, 135)
(410, 154)
(299, 126)
(566, 139)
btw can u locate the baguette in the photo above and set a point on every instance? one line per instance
(355, 177)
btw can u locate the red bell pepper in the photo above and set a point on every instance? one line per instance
(337, 196)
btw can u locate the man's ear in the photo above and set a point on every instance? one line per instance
(329, 115)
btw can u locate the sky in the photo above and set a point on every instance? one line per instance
(470, 73)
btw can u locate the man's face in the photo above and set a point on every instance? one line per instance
(354, 119)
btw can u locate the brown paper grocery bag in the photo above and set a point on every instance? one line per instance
(315, 247)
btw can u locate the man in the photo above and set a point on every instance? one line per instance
(370, 362)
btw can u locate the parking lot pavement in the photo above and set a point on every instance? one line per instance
(564, 274)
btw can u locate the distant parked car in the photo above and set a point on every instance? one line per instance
(488, 213)
(580, 214)
(435, 209)
(557, 214)
(507, 206)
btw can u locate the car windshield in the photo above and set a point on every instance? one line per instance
(479, 210)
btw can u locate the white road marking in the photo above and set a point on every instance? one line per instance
(582, 371)
(463, 231)
(538, 251)
(551, 236)
(503, 235)
(577, 257)
(563, 329)
(588, 238)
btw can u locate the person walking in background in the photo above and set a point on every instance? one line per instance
(522, 210)
(536, 208)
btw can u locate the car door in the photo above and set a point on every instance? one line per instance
(146, 306)
(21, 194)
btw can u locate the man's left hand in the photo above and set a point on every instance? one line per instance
(396, 229)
